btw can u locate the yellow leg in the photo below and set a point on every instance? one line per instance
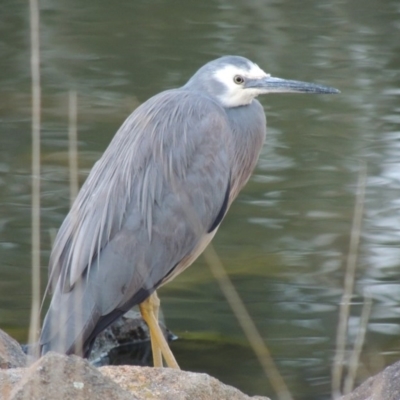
(151, 307)
(149, 310)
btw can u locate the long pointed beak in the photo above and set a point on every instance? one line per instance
(270, 84)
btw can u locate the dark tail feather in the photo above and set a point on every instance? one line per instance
(74, 320)
(69, 321)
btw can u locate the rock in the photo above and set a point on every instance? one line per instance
(11, 354)
(130, 330)
(383, 386)
(57, 376)
(170, 384)
(8, 380)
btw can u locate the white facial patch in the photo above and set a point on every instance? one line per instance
(236, 95)
(256, 72)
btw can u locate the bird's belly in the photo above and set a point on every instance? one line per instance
(188, 260)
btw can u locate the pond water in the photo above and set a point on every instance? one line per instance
(286, 239)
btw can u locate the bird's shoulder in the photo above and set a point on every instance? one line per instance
(175, 110)
(186, 99)
(177, 118)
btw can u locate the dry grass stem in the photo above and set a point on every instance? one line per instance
(73, 145)
(36, 109)
(338, 363)
(247, 324)
(355, 356)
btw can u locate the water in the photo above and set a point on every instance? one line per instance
(286, 239)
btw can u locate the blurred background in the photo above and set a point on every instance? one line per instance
(286, 239)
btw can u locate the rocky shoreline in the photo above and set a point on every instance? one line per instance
(56, 376)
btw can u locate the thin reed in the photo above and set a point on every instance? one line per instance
(351, 266)
(247, 324)
(34, 326)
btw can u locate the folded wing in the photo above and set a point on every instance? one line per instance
(148, 204)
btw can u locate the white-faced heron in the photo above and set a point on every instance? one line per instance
(155, 199)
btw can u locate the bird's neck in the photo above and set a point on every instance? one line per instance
(248, 126)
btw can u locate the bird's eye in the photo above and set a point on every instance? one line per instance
(238, 79)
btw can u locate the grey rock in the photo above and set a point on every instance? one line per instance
(56, 376)
(130, 329)
(8, 379)
(11, 354)
(383, 386)
(170, 384)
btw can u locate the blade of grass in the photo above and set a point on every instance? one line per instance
(36, 108)
(247, 324)
(355, 356)
(351, 265)
(73, 146)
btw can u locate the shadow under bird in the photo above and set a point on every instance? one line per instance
(155, 199)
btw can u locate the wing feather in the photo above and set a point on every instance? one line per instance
(146, 205)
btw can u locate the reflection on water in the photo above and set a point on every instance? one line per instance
(286, 238)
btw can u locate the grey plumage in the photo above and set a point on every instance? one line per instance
(155, 198)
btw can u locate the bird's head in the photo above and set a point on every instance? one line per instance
(235, 81)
